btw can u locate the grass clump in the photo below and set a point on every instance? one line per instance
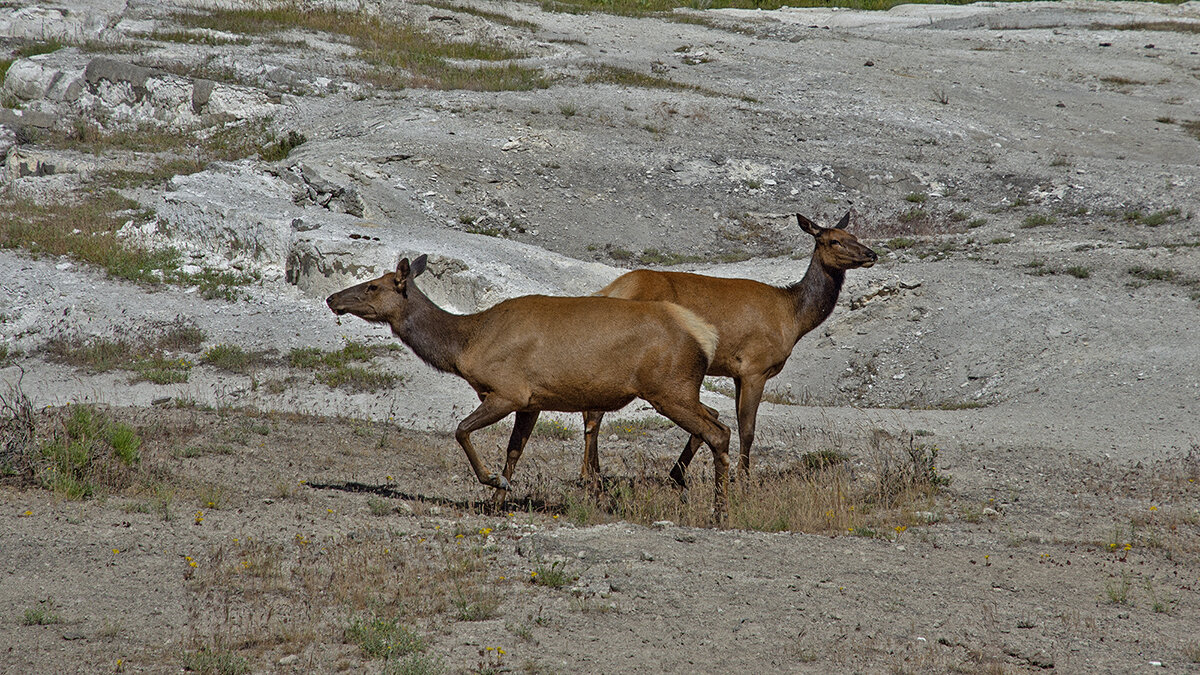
(1037, 220)
(396, 55)
(628, 428)
(626, 77)
(215, 662)
(553, 429)
(383, 638)
(146, 356)
(554, 575)
(91, 454)
(43, 614)
(230, 357)
(337, 369)
(18, 433)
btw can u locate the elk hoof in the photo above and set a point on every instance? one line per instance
(498, 482)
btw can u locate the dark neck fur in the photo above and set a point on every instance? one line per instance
(435, 335)
(816, 295)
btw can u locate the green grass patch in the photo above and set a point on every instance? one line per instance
(553, 429)
(207, 661)
(396, 55)
(147, 356)
(91, 454)
(898, 243)
(626, 77)
(1038, 220)
(338, 369)
(87, 227)
(1153, 273)
(383, 638)
(554, 575)
(43, 614)
(232, 358)
(627, 428)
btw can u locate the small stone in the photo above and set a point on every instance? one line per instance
(869, 64)
(662, 524)
(289, 659)
(647, 556)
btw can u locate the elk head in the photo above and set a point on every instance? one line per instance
(382, 300)
(836, 248)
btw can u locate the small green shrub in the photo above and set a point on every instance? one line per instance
(555, 575)
(553, 429)
(41, 615)
(92, 453)
(215, 662)
(1037, 220)
(383, 638)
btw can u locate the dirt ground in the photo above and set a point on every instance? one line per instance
(1035, 319)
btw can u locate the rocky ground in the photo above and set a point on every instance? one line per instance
(1026, 171)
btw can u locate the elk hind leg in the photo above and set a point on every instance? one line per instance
(700, 420)
(679, 470)
(522, 428)
(589, 473)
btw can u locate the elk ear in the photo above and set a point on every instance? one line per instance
(418, 265)
(843, 222)
(402, 268)
(808, 225)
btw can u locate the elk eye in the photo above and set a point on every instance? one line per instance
(837, 242)
(373, 287)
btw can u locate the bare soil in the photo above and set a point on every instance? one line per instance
(1011, 328)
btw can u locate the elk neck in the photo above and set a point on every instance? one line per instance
(816, 295)
(435, 335)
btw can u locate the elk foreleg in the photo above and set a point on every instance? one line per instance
(749, 393)
(492, 410)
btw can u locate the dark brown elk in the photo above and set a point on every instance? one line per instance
(536, 353)
(757, 325)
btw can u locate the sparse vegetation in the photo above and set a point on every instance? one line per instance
(146, 356)
(552, 428)
(554, 575)
(206, 661)
(43, 614)
(91, 454)
(396, 55)
(653, 256)
(1038, 220)
(383, 638)
(336, 369)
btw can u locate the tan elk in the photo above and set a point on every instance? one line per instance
(757, 326)
(536, 353)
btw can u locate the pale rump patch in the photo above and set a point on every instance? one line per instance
(704, 332)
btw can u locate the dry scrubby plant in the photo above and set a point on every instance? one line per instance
(155, 355)
(251, 600)
(18, 433)
(870, 491)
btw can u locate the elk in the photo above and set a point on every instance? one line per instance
(534, 353)
(757, 326)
